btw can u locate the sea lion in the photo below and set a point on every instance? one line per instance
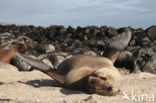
(7, 55)
(88, 73)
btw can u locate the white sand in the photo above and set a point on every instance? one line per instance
(36, 87)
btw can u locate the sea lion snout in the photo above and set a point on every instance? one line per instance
(103, 82)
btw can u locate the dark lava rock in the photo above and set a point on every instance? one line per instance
(111, 31)
(152, 32)
(102, 32)
(21, 65)
(57, 58)
(146, 58)
(139, 32)
(140, 38)
(6, 38)
(126, 60)
(93, 30)
(70, 29)
(55, 32)
(9, 39)
(90, 40)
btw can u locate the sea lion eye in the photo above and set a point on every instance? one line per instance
(103, 78)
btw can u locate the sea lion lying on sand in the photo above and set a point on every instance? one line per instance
(88, 73)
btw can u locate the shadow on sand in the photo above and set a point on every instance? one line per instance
(1, 83)
(50, 83)
(42, 83)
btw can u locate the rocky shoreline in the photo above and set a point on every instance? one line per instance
(55, 43)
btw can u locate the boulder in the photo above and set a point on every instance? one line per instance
(151, 32)
(111, 31)
(146, 58)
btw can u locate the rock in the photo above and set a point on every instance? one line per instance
(125, 55)
(151, 32)
(89, 40)
(126, 60)
(139, 33)
(132, 43)
(76, 44)
(21, 65)
(146, 58)
(24, 39)
(87, 31)
(143, 41)
(42, 48)
(150, 67)
(103, 29)
(52, 33)
(102, 32)
(111, 32)
(133, 49)
(80, 29)
(49, 48)
(47, 61)
(57, 58)
(120, 30)
(7, 38)
(93, 30)
(70, 29)
(78, 51)
(90, 53)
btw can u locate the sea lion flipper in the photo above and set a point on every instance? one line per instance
(120, 41)
(117, 44)
(42, 67)
(56, 76)
(34, 62)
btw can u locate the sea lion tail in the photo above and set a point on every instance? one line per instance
(37, 64)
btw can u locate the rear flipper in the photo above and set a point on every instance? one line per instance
(117, 44)
(37, 64)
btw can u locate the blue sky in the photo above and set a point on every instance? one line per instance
(116, 13)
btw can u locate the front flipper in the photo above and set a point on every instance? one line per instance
(56, 76)
(77, 74)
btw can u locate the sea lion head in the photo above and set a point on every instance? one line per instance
(104, 81)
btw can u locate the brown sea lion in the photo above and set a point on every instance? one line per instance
(88, 73)
(7, 55)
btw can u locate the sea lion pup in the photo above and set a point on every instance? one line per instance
(7, 55)
(88, 73)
